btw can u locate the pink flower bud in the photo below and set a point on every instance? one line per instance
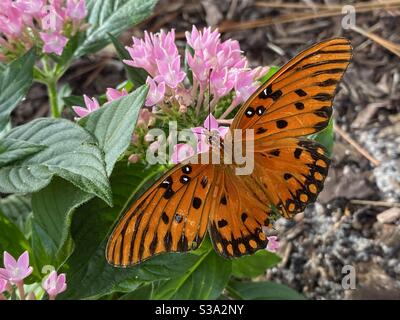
(54, 284)
(134, 158)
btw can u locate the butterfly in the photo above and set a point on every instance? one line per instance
(175, 213)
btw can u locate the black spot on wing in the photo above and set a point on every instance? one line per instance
(184, 179)
(178, 218)
(249, 112)
(204, 181)
(297, 153)
(168, 193)
(167, 183)
(223, 200)
(187, 169)
(168, 241)
(275, 152)
(280, 124)
(322, 96)
(300, 92)
(222, 223)
(327, 83)
(196, 202)
(165, 217)
(261, 130)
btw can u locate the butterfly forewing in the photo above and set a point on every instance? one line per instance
(297, 100)
(294, 103)
(170, 217)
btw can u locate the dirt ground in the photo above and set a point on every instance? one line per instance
(356, 220)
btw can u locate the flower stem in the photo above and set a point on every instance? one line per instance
(229, 110)
(21, 290)
(53, 100)
(199, 100)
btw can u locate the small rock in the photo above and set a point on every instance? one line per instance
(389, 216)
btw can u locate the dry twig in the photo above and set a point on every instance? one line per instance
(356, 146)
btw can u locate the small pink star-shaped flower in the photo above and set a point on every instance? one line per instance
(55, 284)
(273, 244)
(114, 94)
(91, 105)
(16, 271)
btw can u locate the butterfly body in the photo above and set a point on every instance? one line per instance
(289, 169)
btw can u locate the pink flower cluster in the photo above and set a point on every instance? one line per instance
(24, 23)
(217, 69)
(183, 151)
(16, 271)
(215, 63)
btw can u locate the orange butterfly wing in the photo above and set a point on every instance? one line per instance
(297, 100)
(239, 214)
(289, 172)
(172, 216)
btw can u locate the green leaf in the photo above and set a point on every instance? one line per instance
(15, 80)
(18, 209)
(72, 153)
(262, 291)
(52, 208)
(144, 292)
(325, 137)
(12, 150)
(205, 280)
(254, 265)
(272, 70)
(137, 76)
(11, 238)
(114, 123)
(89, 274)
(111, 16)
(73, 101)
(64, 91)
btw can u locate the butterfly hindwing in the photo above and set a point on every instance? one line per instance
(291, 172)
(236, 219)
(169, 217)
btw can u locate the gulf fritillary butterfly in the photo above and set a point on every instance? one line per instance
(289, 170)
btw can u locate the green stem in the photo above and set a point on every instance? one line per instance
(20, 286)
(52, 92)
